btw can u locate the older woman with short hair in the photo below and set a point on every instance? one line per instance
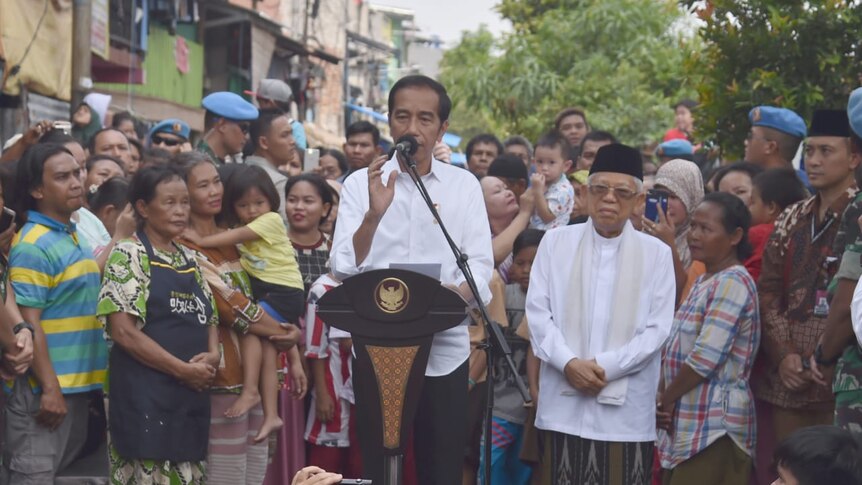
(160, 314)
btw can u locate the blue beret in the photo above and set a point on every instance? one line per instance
(781, 119)
(854, 111)
(229, 105)
(172, 126)
(675, 148)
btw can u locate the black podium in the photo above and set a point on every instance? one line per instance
(392, 316)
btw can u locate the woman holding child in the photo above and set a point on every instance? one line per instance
(239, 315)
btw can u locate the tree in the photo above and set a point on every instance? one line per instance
(620, 60)
(796, 54)
(460, 66)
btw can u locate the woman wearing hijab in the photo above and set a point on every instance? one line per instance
(682, 182)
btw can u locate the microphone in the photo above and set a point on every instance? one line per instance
(407, 146)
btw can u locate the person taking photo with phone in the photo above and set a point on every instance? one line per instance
(682, 183)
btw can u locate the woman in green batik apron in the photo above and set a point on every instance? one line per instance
(159, 313)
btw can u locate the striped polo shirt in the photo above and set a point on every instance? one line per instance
(52, 269)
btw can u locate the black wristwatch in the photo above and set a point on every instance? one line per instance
(22, 326)
(818, 356)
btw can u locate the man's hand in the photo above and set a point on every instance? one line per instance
(442, 152)
(380, 196)
(34, 134)
(585, 376)
(52, 409)
(792, 374)
(821, 375)
(312, 475)
(286, 341)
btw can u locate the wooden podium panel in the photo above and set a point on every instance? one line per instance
(392, 316)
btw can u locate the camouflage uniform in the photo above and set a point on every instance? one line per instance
(207, 150)
(847, 385)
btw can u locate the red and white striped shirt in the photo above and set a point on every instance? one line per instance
(323, 342)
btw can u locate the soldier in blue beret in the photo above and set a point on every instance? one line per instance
(676, 148)
(171, 135)
(226, 124)
(774, 138)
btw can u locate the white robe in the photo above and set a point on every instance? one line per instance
(564, 409)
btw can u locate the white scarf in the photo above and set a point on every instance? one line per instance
(624, 312)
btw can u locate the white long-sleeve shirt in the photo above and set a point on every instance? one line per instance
(407, 233)
(562, 408)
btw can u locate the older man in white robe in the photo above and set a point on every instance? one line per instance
(600, 306)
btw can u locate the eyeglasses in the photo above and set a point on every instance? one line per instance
(171, 142)
(621, 193)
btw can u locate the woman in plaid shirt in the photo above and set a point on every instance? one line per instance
(706, 411)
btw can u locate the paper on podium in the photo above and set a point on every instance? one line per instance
(431, 270)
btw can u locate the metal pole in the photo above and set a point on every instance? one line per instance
(305, 67)
(393, 469)
(346, 67)
(82, 21)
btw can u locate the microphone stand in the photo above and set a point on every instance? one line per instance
(494, 342)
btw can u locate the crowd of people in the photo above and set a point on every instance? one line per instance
(677, 321)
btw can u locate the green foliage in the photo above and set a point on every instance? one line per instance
(524, 14)
(620, 60)
(465, 66)
(796, 54)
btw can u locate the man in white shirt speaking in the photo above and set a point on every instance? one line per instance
(382, 219)
(600, 307)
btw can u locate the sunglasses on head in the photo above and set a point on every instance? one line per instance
(171, 142)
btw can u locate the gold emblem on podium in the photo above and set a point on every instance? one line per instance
(391, 295)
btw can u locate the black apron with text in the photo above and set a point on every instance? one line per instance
(152, 415)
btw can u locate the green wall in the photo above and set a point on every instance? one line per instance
(162, 78)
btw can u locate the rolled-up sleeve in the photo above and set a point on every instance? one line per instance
(720, 326)
(476, 244)
(547, 339)
(351, 212)
(650, 338)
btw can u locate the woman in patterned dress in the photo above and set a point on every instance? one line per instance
(160, 315)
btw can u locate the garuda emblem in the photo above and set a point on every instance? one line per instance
(391, 295)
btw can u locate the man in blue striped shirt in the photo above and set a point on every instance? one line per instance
(56, 283)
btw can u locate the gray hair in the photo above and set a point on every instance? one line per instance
(638, 182)
(519, 140)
